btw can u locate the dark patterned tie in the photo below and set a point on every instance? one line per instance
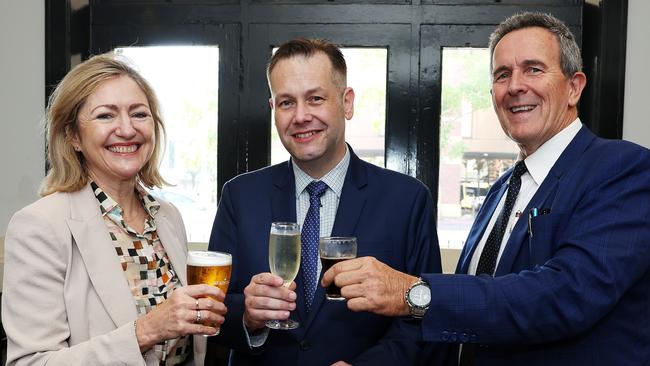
(310, 236)
(488, 260)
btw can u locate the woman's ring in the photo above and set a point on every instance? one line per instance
(198, 316)
(197, 304)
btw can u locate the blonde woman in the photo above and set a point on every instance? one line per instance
(95, 270)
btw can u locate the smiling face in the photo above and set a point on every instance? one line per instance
(310, 111)
(115, 131)
(533, 99)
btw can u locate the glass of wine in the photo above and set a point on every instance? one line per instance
(284, 261)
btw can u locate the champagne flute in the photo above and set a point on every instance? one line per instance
(284, 261)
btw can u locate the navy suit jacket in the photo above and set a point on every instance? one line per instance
(576, 292)
(391, 215)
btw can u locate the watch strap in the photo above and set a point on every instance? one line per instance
(416, 311)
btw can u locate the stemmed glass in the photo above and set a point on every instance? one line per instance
(284, 261)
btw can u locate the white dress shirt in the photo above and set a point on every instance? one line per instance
(329, 205)
(538, 164)
(329, 200)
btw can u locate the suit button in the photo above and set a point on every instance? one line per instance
(454, 337)
(445, 335)
(305, 345)
(464, 337)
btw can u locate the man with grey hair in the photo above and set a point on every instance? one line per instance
(556, 268)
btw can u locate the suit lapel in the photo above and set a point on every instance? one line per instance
(283, 208)
(479, 226)
(283, 199)
(353, 199)
(176, 249)
(92, 238)
(520, 232)
(543, 197)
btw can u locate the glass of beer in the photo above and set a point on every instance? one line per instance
(210, 268)
(333, 250)
(284, 261)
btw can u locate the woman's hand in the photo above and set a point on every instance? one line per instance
(180, 314)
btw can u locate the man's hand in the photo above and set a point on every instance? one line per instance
(266, 299)
(370, 285)
(341, 363)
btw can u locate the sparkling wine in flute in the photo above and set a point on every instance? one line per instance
(284, 256)
(284, 261)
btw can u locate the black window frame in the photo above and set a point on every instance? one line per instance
(411, 137)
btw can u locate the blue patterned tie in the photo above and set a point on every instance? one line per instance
(310, 236)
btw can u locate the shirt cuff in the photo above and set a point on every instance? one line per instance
(256, 339)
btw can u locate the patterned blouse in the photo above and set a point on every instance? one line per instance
(146, 267)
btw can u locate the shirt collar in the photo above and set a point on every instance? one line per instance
(108, 204)
(334, 178)
(542, 160)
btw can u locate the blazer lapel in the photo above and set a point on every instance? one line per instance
(353, 199)
(543, 197)
(283, 208)
(90, 235)
(175, 247)
(520, 232)
(479, 226)
(283, 199)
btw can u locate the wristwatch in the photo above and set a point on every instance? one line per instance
(418, 298)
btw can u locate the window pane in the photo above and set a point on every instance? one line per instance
(474, 150)
(367, 69)
(185, 79)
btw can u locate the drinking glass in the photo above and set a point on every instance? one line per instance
(210, 268)
(333, 250)
(284, 261)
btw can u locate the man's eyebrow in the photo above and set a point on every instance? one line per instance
(282, 95)
(524, 63)
(533, 62)
(317, 89)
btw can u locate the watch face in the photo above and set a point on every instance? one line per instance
(420, 295)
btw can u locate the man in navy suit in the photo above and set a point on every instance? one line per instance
(556, 268)
(391, 214)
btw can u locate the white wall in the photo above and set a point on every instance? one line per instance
(636, 120)
(22, 80)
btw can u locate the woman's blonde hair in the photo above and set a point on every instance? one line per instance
(67, 169)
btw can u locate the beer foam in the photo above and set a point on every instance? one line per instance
(205, 258)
